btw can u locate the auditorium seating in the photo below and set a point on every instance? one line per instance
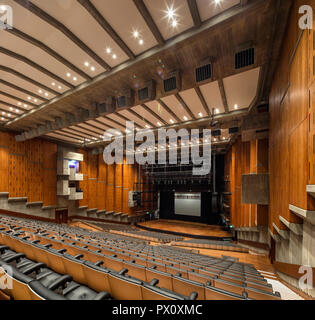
(107, 266)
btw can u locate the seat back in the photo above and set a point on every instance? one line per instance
(135, 270)
(165, 279)
(186, 287)
(213, 293)
(96, 277)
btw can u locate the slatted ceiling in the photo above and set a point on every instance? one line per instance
(31, 72)
(158, 11)
(24, 84)
(98, 125)
(156, 107)
(193, 102)
(92, 128)
(117, 118)
(61, 137)
(176, 107)
(129, 20)
(146, 115)
(212, 95)
(208, 8)
(107, 122)
(44, 32)
(75, 133)
(14, 102)
(19, 94)
(83, 131)
(132, 117)
(71, 14)
(241, 88)
(31, 52)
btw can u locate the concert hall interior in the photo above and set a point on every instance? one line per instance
(157, 150)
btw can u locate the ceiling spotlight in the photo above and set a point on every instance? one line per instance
(28, 98)
(159, 124)
(40, 91)
(9, 115)
(174, 23)
(141, 42)
(17, 111)
(53, 84)
(92, 68)
(68, 75)
(170, 13)
(25, 105)
(46, 94)
(223, 138)
(10, 108)
(108, 50)
(217, 1)
(59, 87)
(147, 126)
(200, 114)
(185, 118)
(86, 63)
(217, 110)
(236, 106)
(35, 100)
(114, 56)
(75, 79)
(171, 121)
(136, 34)
(19, 103)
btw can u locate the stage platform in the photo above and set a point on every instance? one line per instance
(187, 229)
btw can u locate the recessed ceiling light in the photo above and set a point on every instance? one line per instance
(217, 1)
(68, 75)
(170, 12)
(28, 98)
(9, 115)
(136, 34)
(159, 124)
(17, 111)
(35, 100)
(10, 108)
(174, 23)
(147, 126)
(236, 106)
(46, 94)
(25, 105)
(108, 50)
(75, 79)
(19, 103)
(114, 56)
(217, 110)
(171, 121)
(86, 63)
(59, 87)
(92, 68)
(141, 42)
(53, 84)
(200, 114)
(185, 118)
(40, 91)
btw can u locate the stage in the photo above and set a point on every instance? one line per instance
(187, 229)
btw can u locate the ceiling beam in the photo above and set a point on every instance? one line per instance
(77, 133)
(89, 130)
(69, 135)
(193, 8)
(24, 77)
(29, 93)
(106, 127)
(94, 127)
(35, 66)
(126, 119)
(223, 95)
(114, 121)
(184, 105)
(154, 114)
(149, 21)
(18, 99)
(48, 50)
(28, 5)
(106, 26)
(203, 101)
(12, 106)
(140, 118)
(164, 105)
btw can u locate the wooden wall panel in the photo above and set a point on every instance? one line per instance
(4, 160)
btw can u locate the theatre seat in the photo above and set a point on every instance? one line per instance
(257, 294)
(186, 287)
(165, 279)
(213, 293)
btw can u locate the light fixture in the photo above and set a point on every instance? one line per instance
(35, 100)
(147, 126)
(114, 56)
(19, 103)
(75, 79)
(28, 98)
(53, 84)
(108, 50)
(159, 124)
(174, 23)
(200, 114)
(236, 106)
(9, 115)
(68, 75)
(46, 94)
(185, 118)
(171, 121)
(59, 87)
(170, 13)
(10, 108)
(40, 91)
(17, 111)
(86, 63)
(141, 42)
(217, 110)
(136, 34)
(217, 1)
(25, 105)
(92, 68)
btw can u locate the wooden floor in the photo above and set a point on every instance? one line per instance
(192, 228)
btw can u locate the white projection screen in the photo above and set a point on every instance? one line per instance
(188, 204)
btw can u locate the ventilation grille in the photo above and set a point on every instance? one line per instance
(233, 130)
(170, 84)
(204, 73)
(121, 101)
(143, 94)
(216, 133)
(245, 58)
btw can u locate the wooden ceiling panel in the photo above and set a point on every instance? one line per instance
(210, 8)
(241, 88)
(176, 107)
(124, 18)
(193, 102)
(158, 108)
(72, 15)
(138, 121)
(159, 9)
(59, 136)
(15, 102)
(147, 116)
(212, 95)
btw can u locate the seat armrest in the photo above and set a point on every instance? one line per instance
(102, 296)
(2, 248)
(34, 267)
(79, 256)
(48, 245)
(60, 282)
(14, 257)
(154, 282)
(122, 272)
(62, 251)
(36, 241)
(98, 263)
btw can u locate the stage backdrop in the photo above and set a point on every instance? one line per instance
(195, 207)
